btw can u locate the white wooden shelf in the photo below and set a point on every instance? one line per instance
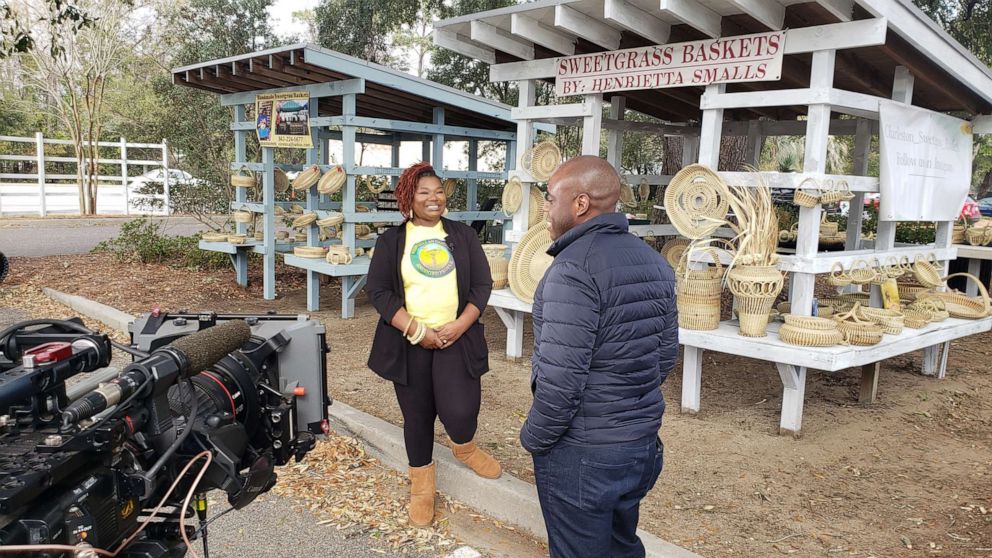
(358, 266)
(823, 262)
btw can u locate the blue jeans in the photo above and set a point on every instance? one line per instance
(591, 496)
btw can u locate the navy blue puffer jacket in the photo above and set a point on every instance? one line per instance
(605, 338)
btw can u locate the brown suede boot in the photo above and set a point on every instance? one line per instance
(479, 461)
(422, 489)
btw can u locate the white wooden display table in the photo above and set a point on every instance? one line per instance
(974, 255)
(793, 361)
(511, 310)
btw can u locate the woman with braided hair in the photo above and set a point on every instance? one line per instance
(430, 282)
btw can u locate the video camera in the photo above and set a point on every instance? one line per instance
(118, 469)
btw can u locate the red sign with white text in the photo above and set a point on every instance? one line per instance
(725, 60)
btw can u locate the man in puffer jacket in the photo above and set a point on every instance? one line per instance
(605, 338)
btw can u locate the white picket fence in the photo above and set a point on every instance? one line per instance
(45, 192)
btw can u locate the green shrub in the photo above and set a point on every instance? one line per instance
(141, 240)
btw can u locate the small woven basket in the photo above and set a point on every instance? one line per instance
(644, 190)
(282, 235)
(856, 330)
(891, 321)
(309, 251)
(281, 180)
(979, 236)
(926, 271)
(837, 277)
(332, 181)
(334, 219)
(214, 237)
(958, 233)
(542, 160)
(796, 335)
(862, 275)
(499, 267)
(807, 196)
(828, 228)
(243, 179)
(304, 220)
(237, 238)
(841, 191)
(244, 217)
(698, 293)
(627, 194)
(933, 308)
(338, 255)
(809, 322)
(307, 178)
(915, 319)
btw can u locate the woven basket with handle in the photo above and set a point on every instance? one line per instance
(698, 293)
(960, 305)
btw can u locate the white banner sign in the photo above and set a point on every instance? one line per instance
(725, 60)
(925, 169)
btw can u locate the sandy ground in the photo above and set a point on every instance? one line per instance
(910, 475)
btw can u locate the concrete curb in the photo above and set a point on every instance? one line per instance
(507, 499)
(92, 309)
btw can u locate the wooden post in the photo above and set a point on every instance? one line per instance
(165, 174)
(472, 185)
(394, 158)
(525, 138)
(817, 136)
(692, 375)
(348, 108)
(241, 195)
(124, 180)
(437, 155)
(793, 395)
(711, 130)
(614, 136)
(268, 201)
(869, 383)
(39, 149)
(754, 143)
(313, 232)
(592, 125)
(856, 208)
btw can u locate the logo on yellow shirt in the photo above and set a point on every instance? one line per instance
(432, 258)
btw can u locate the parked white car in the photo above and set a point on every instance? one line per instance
(152, 181)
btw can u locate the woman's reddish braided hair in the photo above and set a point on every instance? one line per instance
(407, 185)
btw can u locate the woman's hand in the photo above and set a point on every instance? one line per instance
(450, 332)
(431, 341)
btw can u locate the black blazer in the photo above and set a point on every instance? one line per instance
(385, 288)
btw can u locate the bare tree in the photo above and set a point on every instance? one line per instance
(74, 78)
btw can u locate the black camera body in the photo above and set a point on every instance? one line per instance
(209, 402)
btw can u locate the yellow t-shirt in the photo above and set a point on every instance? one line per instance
(429, 277)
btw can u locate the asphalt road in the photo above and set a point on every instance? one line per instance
(62, 236)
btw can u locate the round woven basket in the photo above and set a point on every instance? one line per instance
(838, 277)
(933, 308)
(756, 288)
(807, 194)
(332, 181)
(237, 238)
(979, 236)
(698, 294)
(535, 211)
(627, 194)
(861, 273)
(513, 196)
(494, 250)
(828, 228)
(892, 322)
(797, 335)
(958, 234)
(244, 217)
(281, 180)
(282, 235)
(960, 305)
(499, 267)
(278, 210)
(696, 202)
(338, 255)
(376, 188)
(915, 319)
(542, 160)
(243, 179)
(809, 322)
(304, 220)
(333, 219)
(529, 262)
(644, 190)
(673, 250)
(841, 191)
(214, 236)
(307, 178)
(858, 331)
(300, 237)
(449, 186)
(259, 235)
(296, 209)
(309, 251)
(926, 271)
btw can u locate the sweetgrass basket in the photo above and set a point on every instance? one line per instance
(807, 194)
(696, 201)
(332, 181)
(960, 305)
(756, 288)
(698, 293)
(804, 337)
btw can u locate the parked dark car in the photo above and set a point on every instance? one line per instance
(985, 206)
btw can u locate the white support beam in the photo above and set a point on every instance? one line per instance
(592, 124)
(837, 36)
(532, 30)
(462, 45)
(574, 110)
(637, 20)
(711, 128)
(693, 14)
(841, 9)
(581, 25)
(982, 124)
(614, 137)
(769, 13)
(487, 34)
(527, 69)
(902, 92)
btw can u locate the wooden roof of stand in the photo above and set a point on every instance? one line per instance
(948, 77)
(388, 93)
